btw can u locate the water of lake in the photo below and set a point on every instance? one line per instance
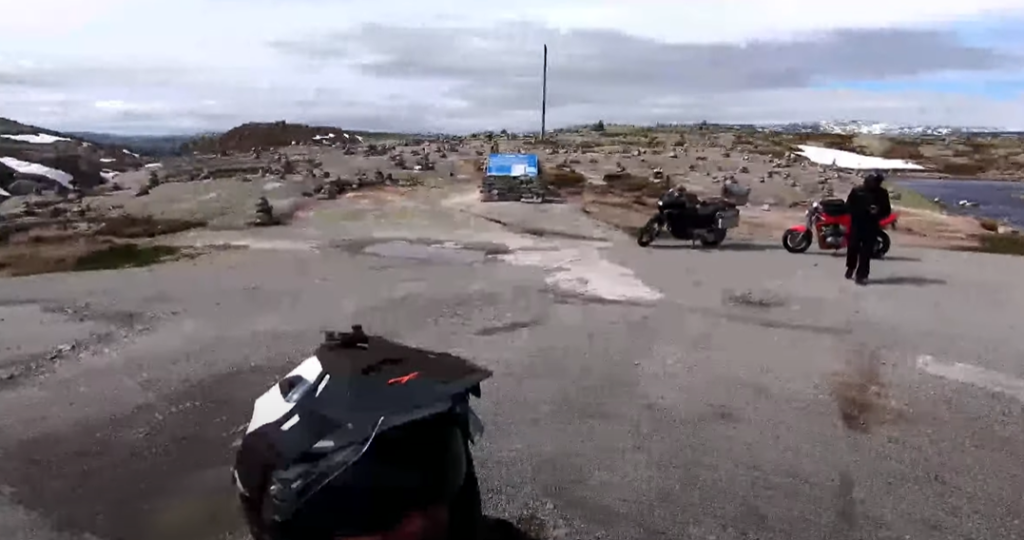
(1002, 201)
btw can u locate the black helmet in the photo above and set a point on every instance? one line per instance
(357, 437)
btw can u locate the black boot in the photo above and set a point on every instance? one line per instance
(849, 273)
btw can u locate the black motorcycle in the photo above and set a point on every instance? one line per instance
(691, 219)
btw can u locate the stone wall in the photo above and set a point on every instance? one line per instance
(512, 188)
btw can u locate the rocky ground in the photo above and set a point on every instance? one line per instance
(612, 177)
(668, 392)
(638, 393)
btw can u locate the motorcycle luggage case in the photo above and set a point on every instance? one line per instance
(728, 218)
(834, 207)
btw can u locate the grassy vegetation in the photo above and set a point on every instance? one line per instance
(912, 199)
(1003, 244)
(563, 179)
(52, 248)
(30, 259)
(631, 184)
(130, 227)
(989, 225)
(124, 256)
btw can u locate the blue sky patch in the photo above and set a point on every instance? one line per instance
(1004, 34)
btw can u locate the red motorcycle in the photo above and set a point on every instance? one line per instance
(829, 219)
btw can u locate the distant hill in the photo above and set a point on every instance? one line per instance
(33, 157)
(271, 135)
(149, 145)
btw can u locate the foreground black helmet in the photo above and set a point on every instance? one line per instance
(359, 436)
(875, 176)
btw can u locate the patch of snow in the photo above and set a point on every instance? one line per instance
(108, 174)
(4, 193)
(25, 167)
(992, 381)
(346, 135)
(583, 271)
(153, 166)
(125, 150)
(41, 138)
(323, 137)
(851, 160)
(360, 138)
(271, 185)
(107, 160)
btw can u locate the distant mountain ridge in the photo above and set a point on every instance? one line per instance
(845, 127)
(150, 145)
(853, 127)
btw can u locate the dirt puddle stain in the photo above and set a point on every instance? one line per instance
(862, 395)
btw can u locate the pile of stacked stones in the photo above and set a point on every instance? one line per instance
(512, 188)
(264, 214)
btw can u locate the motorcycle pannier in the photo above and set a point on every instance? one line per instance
(834, 207)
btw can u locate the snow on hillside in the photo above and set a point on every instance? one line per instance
(59, 157)
(4, 193)
(25, 167)
(850, 160)
(40, 138)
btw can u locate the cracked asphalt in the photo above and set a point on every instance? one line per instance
(761, 396)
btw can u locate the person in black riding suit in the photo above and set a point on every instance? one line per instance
(678, 198)
(368, 439)
(867, 203)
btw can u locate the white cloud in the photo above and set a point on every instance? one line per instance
(165, 63)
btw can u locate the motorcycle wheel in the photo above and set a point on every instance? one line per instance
(796, 241)
(882, 245)
(715, 240)
(647, 233)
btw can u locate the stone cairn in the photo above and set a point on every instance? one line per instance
(264, 214)
(152, 182)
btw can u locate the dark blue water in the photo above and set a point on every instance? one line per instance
(1002, 201)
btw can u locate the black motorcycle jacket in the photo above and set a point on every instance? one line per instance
(867, 205)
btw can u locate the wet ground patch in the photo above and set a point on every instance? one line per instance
(862, 395)
(507, 328)
(539, 232)
(753, 299)
(433, 251)
(764, 318)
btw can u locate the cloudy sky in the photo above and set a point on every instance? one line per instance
(161, 66)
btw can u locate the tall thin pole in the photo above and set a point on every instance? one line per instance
(544, 95)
